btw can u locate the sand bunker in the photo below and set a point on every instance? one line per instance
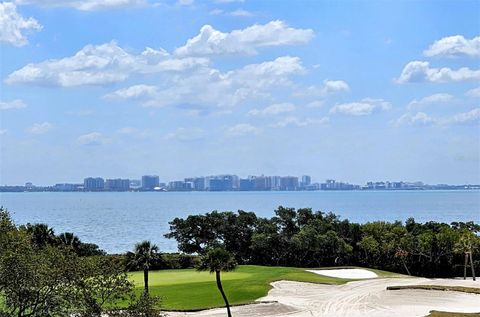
(354, 274)
(367, 298)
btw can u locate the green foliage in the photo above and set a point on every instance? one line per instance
(41, 235)
(144, 255)
(40, 277)
(198, 232)
(467, 242)
(54, 281)
(177, 261)
(38, 282)
(305, 238)
(217, 259)
(144, 306)
(103, 285)
(82, 249)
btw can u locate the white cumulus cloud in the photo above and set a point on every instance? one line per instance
(242, 13)
(294, 121)
(134, 92)
(363, 107)
(429, 100)
(242, 129)
(328, 87)
(93, 138)
(40, 128)
(14, 104)
(245, 41)
(13, 26)
(208, 87)
(415, 119)
(100, 65)
(475, 92)
(472, 116)
(421, 118)
(418, 71)
(452, 46)
(273, 109)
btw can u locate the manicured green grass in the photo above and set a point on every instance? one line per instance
(193, 290)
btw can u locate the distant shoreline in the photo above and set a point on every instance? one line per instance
(467, 188)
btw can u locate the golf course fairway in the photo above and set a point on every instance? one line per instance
(189, 289)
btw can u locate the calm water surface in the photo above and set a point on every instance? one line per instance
(115, 221)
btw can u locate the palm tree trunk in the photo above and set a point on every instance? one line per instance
(220, 288)
(465, 266)
(471, 265)
(145, 279)
(405, 266)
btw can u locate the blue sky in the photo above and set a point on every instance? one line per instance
(356, 91)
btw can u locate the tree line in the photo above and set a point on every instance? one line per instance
(304, 238)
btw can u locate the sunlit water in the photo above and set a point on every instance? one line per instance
(115, 221)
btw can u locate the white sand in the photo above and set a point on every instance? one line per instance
(354, 274)
(360, 298)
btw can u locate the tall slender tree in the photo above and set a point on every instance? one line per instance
(143, 257)
(466, 245)
(217, 260)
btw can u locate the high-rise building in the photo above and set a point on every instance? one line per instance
(93, 184)
(180, 186)
(275, 182)
(197, 183)
(247, 184)
(261, 183)
(288, 183)
(117, 184)
(66, 187)
(223, 182)
(306, 180)
(331, 184)
(149, 182)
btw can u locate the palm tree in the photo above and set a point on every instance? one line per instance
(69, 239)
(41, 234)
(466, 244)
(143, 256)
(402, 255)
(216, 260)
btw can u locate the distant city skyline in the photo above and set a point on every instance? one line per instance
(352, 90)
(226, 182)
(163, 180)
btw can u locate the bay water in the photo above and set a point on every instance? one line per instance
(117, 220)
